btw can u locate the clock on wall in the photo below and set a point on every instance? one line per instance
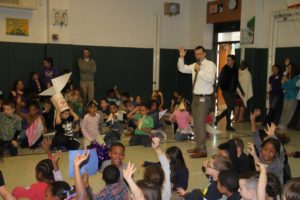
(171, 9)
(232, 4)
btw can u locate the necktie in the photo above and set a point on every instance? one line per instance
(195, 79)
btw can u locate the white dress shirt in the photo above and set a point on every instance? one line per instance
(205, 78)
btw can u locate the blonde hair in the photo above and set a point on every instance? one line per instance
(221, 163)
(292, 189)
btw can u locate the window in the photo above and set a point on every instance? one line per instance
(229, 37)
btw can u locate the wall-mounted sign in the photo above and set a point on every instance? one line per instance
(15, 26)
(247, 34)
(60, 17)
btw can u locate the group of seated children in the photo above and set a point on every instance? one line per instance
(24, 120)
(165, 180)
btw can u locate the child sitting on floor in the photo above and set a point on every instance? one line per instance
(76, 102)
(270, 150)
(144, 124)
(64, 136)
(156, 178)
(138, 100)
(44, 176)
(182, 118)
(35, 125)
(234, 149)
(130, 116)
(90, 125)
(269, 186)
(158, 96)
(35, 84)
(48, 114)
(129, 121)
(114, 189)
(228, 184)
(115, 125)
(157, 130)
(59, 190)
(292, 189)
(104, 108)
(10, 127)
(179, 170)
(18, 93)
(212, 168)
(248, 183)
(117, 155)
(141, 189)
(163, 178)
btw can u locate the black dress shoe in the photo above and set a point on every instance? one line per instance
(194, 150)
(199, 155)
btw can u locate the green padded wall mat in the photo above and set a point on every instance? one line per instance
(18, 60)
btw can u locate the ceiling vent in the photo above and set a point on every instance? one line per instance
(19, 4)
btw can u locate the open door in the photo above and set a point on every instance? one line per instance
(224, 51)
(227, 44)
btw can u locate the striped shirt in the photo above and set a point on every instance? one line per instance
(90, 126)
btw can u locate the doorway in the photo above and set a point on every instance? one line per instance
(227, 43)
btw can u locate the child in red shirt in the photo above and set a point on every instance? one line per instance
(44, 176)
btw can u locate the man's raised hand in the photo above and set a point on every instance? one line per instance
(182, 52)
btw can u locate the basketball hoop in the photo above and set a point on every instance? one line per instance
(293, 6)
(294, 9)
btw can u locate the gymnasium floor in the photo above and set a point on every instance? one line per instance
(19, 170)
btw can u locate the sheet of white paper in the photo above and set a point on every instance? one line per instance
(162, 113)
(58, 84)
(48, 92)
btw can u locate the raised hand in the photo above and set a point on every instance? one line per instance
(182, 52)
(155, 142)
(255, 114)
(46, 144)
(261, 167)
(251, 149)
(79, 159)
(55, 158)
(262, 181)
(181, 191)
(129, 171)
(270, 130)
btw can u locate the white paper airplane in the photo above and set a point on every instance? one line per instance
(55, 91)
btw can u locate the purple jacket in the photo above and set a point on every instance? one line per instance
(47, 74)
